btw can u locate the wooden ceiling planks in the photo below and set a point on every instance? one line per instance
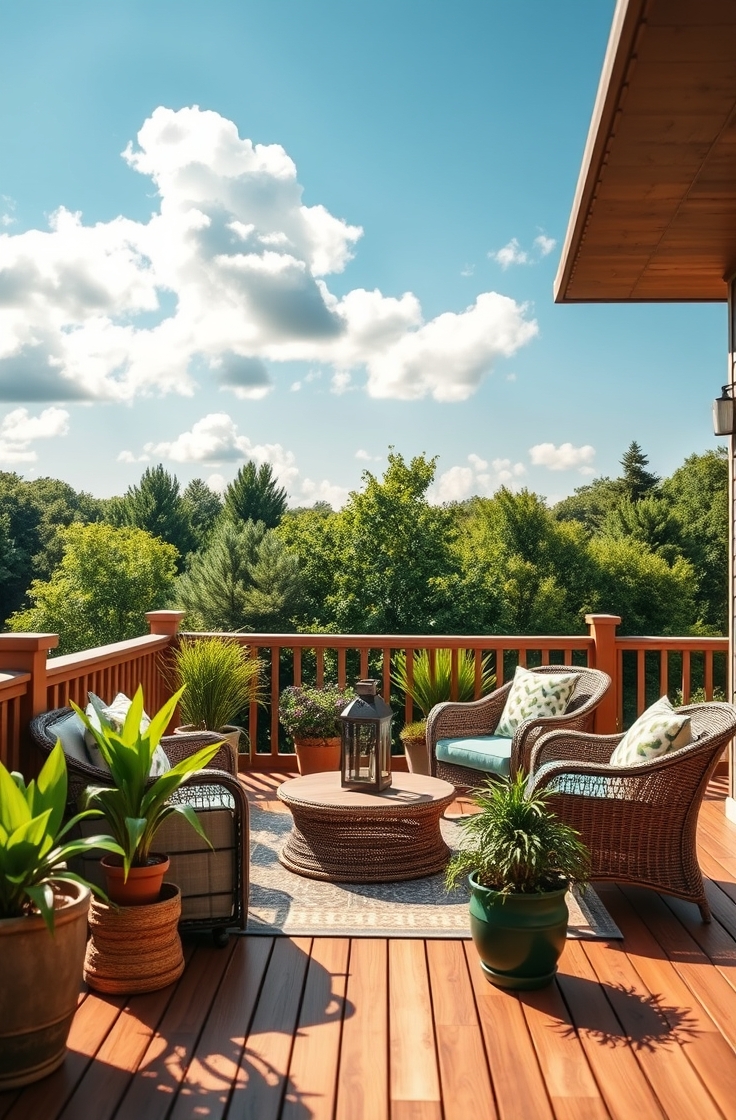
(654, 216)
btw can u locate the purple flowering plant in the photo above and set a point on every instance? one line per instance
(313, 713)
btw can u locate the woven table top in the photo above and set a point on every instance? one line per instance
(406, 790)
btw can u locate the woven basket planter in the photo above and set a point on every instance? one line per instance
(135, 949)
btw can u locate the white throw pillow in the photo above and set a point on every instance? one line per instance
(115, 714)
(533, 695)
(659, 730)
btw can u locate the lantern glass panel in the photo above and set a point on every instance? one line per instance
(366, 741)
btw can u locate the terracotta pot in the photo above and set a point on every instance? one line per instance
(135, 948)
(415, 752)
(317, 756)
(229, 733)
(143, 885)
(39, 980)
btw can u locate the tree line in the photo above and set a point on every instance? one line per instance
(390, 561)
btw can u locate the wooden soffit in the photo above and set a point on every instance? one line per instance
(654, 215)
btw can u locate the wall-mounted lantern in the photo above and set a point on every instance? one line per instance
(723, 412)
(366, 740)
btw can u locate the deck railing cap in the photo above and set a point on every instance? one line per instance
(28, 642)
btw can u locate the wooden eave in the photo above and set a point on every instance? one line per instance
(654, 213)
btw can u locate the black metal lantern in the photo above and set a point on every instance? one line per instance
(723, 412)
(366, 740)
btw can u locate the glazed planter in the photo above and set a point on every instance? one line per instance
(519, 937)
(135, 949)
(415, 752)
(317, 756)
(143, 885)
(40, 975)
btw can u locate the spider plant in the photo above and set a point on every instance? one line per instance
(433, 684)
(221, 680)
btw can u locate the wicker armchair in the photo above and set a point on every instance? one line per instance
(480, 717)
(640, 822)
(213, 883)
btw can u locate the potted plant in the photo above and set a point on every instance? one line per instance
(221, 680)
(135, 806)
(520, 860)
(312, 717)
(43, 921)
(432, 684)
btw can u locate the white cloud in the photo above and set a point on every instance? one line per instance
(217, 483)
(512, 253)
(468, 270)
(367, 457)
(481, 477)
(129, 457)
(563, 458)
(18, 430)
(544, 244)
(296, 386)
(225, 281)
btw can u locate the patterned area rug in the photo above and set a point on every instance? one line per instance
(288, 904)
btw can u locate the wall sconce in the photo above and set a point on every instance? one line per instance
(723, 412)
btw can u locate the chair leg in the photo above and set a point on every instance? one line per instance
(705, 912)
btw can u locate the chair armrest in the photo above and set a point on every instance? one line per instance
(528, 733)
(178, 747)
(562, 745)
(453, 720)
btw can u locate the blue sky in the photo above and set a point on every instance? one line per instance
(349, 244)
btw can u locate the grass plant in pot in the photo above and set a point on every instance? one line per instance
(43, 921)
(520, 860)
(136, 805)
(431, 683)
(311, 716)
(221, 681)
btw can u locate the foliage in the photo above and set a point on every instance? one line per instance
(650, 520)
(636, 481)
(313, 713)
(254, 495)
(650, 595)
(516, 844)
(433, 684)
(33, 853)
(311, 536)
(589, 505)
(203, 508)
(106, 581)
(415, 730)
(246, 579)
(135, 807)
(220, 680)
(156, 506)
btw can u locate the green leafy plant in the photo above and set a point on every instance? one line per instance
(220, 679)
(136, 806)
(313, 713)
(431, 685)
(415, 730)
(33, 855)
(516, 844)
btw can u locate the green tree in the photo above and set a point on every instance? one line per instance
(203, 507)
(589, 504)
(636, 481)
(156, 506)
(254, 495)
(396, 568)
(311, 535)
(651, 521)
(650, 595)
(106, 581)
(244, 580)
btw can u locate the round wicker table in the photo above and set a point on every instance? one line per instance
(350, 837)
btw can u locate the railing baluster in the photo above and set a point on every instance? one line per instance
(641, 682)
(545, 657)
(453, 674)
(478, 674)
(499, 667)
(408, 702)
(364, 662)
(522, 658)
(297, 665)
(686, 676)
(664, 673)
(708, 674)
(341, 668)
(275, 690)
(320, 653)
(386, 674)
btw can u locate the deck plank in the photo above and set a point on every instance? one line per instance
(464, 1074)
(362, 1080)
(316, 1051)
(414, 1078)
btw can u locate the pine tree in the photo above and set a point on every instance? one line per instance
(253, 495)
(204, 507)
(157, 506)
(636, 481)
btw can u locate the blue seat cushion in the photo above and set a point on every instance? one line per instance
(489, 753)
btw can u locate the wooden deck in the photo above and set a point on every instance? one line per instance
(340, 1029)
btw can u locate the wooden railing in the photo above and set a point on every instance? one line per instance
(641, 668)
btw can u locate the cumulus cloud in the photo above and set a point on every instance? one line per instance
(366, 456)
(480, 477)
(18, 430)
(226, 280)
(512, 252)
(563, 458)
(544, 244)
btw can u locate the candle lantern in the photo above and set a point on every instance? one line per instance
(366, 740)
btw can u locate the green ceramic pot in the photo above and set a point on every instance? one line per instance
(519, 937)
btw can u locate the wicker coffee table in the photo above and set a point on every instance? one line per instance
(349, 837)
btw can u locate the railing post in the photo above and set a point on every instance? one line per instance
(28, 653)
(602, 628)
(164, 622)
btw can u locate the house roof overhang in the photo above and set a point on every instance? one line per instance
(654, 214)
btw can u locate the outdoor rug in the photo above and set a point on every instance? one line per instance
(291, 905)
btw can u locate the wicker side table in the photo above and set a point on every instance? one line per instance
(349, 837)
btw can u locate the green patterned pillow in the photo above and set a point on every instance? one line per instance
(533, 695)
(659, 730)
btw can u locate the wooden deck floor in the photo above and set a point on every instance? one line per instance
(340, 1029)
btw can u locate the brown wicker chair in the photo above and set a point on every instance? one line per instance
(214, 884)
(480, 717)
(640, 822)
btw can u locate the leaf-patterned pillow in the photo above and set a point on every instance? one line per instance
(533, 695)
(659, 730)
